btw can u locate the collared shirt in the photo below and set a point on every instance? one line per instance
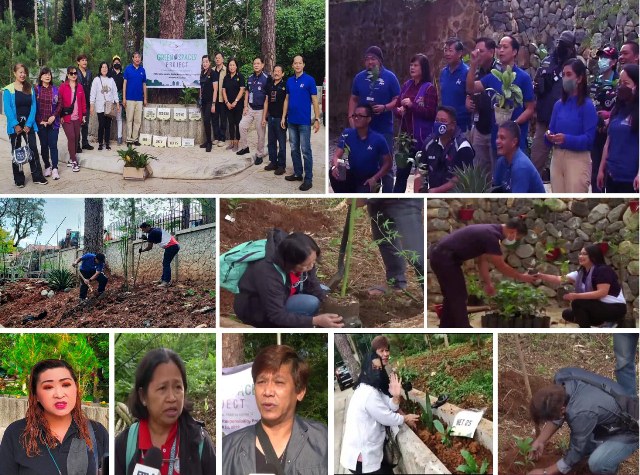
(144, 444)
(276, 94)
(232, 85)
(86, 80)
(603, 92)
(89, 263)
(300, 91)
(48, 104)
(622, 163)
(207, 79)
(484, 109)
(365, 155)
(136, 78)
(454, 93)
(221, 75)
(442, 160)
(385, 88)
(520, 176)
(256, 88)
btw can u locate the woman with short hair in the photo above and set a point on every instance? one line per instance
(48, 120)
(104, 91)
(74, 108)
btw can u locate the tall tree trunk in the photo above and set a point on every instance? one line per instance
(268, 33)
(185, 216)
(232, 349)
(93, 224)
(172, 16)
(93, 6)
(344, 348)
(35, 28)
(73, 13)
(55, 14)
(46, 16)
(11, 35)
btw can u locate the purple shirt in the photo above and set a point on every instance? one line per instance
(473, 241)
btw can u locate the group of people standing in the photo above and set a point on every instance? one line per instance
(589, 129)
(269, 103)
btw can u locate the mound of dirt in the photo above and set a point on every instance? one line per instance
(184, 304)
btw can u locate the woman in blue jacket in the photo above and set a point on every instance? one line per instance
(619, 166)
(19, 104)
(571, 132)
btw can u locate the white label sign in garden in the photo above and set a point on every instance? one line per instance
(146, 139)
(164, 113)
(180, 114)
(237, 396)
(150, 113)
(465, 423)
(173, 63)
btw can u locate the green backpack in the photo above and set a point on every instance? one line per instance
(234, 263)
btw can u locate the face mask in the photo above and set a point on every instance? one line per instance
(563, 50)
(603, 65)
(508, 242)
(569, 85)
(116, 67)
(439, 128)
(625, 93)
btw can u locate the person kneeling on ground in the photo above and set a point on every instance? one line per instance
(597, 298)
(168, 243)
(92, 268)
(602, 420)
(282, 289)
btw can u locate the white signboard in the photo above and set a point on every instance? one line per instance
(146, 139)
(180, 114)
(173, 63)
(194, 114)
(188, 142)
(236, 395)
(150, 113)
(173, 142)
(159, 141)
(164, 113)
(465, 423)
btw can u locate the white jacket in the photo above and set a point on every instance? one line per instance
(103, 90)
(368, 413)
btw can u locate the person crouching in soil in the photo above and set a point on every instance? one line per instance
(481, 242)
(91, 269)
(282, 290)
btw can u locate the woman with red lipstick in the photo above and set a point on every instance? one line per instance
(55, 437)
(158, 401)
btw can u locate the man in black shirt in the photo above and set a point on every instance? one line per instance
(116, 73)
(481, 111)
(276, 91)
(85, 77)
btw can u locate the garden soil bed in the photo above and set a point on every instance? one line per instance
(185, 304)
(324, 220)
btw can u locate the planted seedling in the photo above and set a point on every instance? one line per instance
(445, 434)
(471, 466)
(525, 448)
(427, 417)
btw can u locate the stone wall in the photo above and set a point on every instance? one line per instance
(568, 224)
(405, 27)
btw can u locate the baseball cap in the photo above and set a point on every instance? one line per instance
(116, 57)
(608, 52)
(567, 38)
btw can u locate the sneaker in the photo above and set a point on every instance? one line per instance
(214, 143)
(257, 160)
(221, 143)
(293, 177)
(279, 171)
(55, 174)
(230, 146)
(270, 167)
(100, 147)
(88, 147)
(164, 284)
(208, 149)
(244, 151)
(306, 185)
(107, 146)
(136, 143)
(41, 181)
(47, 171)
(76, 167)
(20, 185)
(69, 164)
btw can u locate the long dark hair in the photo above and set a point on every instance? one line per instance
(594, 252)
(424, 66)
(378, 379)
(580, 70)
(296, 248)
(26, 88)
(37, 429)
(629, 109)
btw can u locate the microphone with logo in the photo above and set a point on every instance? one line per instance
(152, 463)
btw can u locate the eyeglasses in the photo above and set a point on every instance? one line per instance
(72, 74)
(359, 116)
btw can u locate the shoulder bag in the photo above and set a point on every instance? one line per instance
(69, 110)
(21, 155)
(109, 107)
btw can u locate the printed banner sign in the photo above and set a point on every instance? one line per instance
(159, 141)
(173, 63)
(188, 142)
(195, 114)
(150, 113)
(465, 423)
(173, 142)
(180, 114)
(146, 139)
(164, 113)
(236, 394)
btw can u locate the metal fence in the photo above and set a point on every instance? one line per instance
(186, 217)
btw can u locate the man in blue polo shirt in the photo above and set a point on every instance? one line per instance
(301, 94)
(367, 150)
(253, 109)
(453, 79)
(378, 87)
(514, 172)
(507, 53)
(92, 268)
(134, 97)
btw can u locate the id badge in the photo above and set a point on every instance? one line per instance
(251, 98)
(370, 99)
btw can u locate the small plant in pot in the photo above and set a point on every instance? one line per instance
(471, 179)
(404, 147)
(518, 305)
(476, 295)
(510, 98)
(137, 166)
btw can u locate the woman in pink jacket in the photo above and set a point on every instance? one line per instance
(74, 108)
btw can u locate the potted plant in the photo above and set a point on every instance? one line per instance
(518, 305)
(511, 96)
(137, 166)
(403, 148)
(471, 179)
(633, 204)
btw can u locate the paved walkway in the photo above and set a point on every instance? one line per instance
(196, 171)
(341, 402)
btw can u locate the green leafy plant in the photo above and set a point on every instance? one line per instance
(471, 179)
(445, 434)
(403, 145)
(517, 299)
(474, 288)
(427, 416)
(525, 447)
(132, 158)
(511, 95)
(373, 75)
(349, 249)
(60, 279)
(470, 465)
(190, 293)
(189, 95)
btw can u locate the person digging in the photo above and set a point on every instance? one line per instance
(91, 269)
(166, 241)
(482, 243)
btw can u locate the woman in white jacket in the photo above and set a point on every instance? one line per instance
(370, 410)
(103, 91)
